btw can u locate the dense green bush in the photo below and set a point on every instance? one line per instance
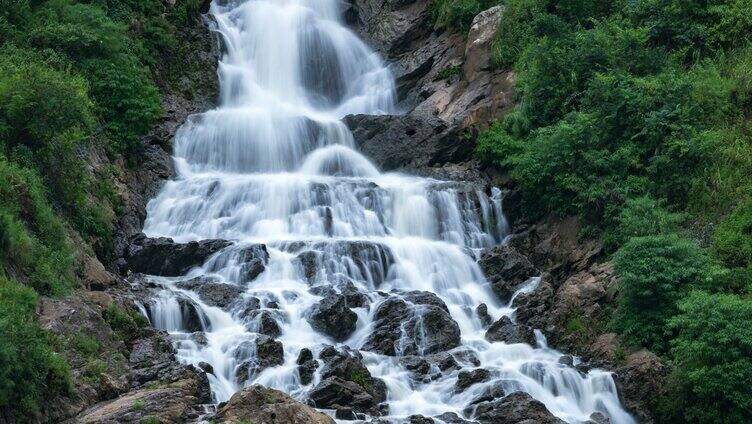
(458, 14)
(712, 354)
(33, 245)
(29, 369)
(654, 273)
(639, 217)
(733, 237)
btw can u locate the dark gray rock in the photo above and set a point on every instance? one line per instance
(517, 407)
(466, 379)
(425, 319)
(453, 418)
(211, 292)
(429, 367)
(482, 312)
(263, 353)
(306, 366)
(332, 317)
(504, 330)
(419, 419)
(506, 270)
(164, 257)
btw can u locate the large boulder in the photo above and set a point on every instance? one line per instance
(425, 368)
(515, 408)
(415, 323)
(211, 292)
(347, 383)
(162, 256)
(506, 269)
(504, 330)
(332, 317)
(256, 356)
(257, 404)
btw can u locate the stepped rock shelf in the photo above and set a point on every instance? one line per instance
(288, 268)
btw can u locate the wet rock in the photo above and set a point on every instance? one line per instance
(207, 367)
(598, 418)
(504, 330)
(191, 318)
(407, 141)
(429, 367)
(258, 404)
(257, 356)
(345, 413)
(162, 256)
(332, 317)
(336, 393)
(263, 322)
(517, 407)
(506, 270)
(482, 312)
(211, 292)
(466, 379)
(321, 262)
(422, 316)
(466, 357)
(419, 419)
(496, 391)
(453, 418)
(254, 260)
(306, 366)
(567, 360)
(640, 381)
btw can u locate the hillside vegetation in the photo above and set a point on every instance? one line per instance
(635, 116)
(75, 77)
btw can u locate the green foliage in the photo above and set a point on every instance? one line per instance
(125, 323)
(733, 236)
(361, 378)
(138, 405)
(29, 369)
(449, 72)
(638, 217)
(654, 273)
(712, 353)
(458, 14)
(32, 239)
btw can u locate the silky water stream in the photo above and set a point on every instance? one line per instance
(274, 164)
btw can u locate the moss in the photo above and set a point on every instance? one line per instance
(138, 405)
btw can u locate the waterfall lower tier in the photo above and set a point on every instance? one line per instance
(351, 289)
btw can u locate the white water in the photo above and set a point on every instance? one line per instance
(275, 165)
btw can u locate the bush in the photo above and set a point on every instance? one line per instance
(32, 238)
(30, 370)
(639, 217)
(733, 237)
(654, 273)
(125, 323)
(712, 354)
(458, 14)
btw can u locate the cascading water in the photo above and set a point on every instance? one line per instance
(275, 165)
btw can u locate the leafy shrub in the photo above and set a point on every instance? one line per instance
(125, 323)
(32, 238)
(712, 353)
(458, 14)
(30, 370)
(654, 273)
(638, 217)
(733, 236)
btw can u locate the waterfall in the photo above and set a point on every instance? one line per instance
(275, 165)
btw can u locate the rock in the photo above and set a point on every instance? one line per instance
(332, 317)
(263, 321)
(258, 404)
(466, 379)
(191, 318)
(598, 418)
(336, 392)
(517, 407)
(212, 293)
(482, 312)
(429, 367)
(640, 381)
(321, 262)
(407, 141)
(257, 356)
(345, 413)
(479, 39)
(506, 270)
(504, 330)
(420, 419)
(206, 367)
(453, 418)
(346, 364)
(306, 366)
(176, 402)
(164, 257)
(422, 316)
